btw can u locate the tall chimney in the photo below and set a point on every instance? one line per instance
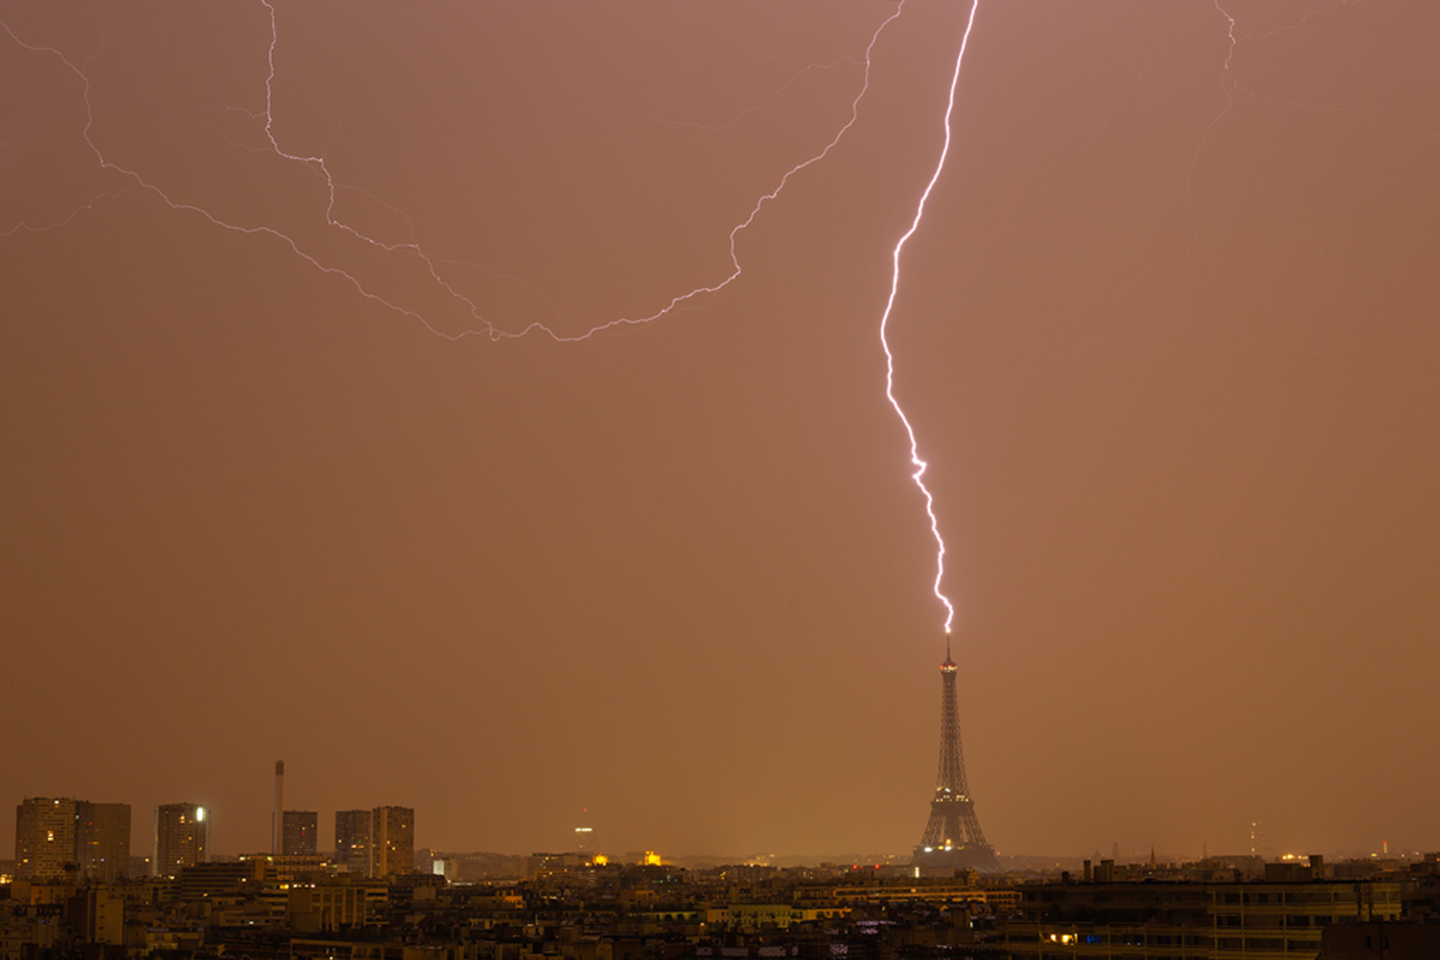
(277, 823)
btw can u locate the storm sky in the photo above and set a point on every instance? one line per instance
(276, 487)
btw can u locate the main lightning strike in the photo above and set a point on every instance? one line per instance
(433, 264)
(915, 460)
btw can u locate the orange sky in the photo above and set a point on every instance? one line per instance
(1168, 335)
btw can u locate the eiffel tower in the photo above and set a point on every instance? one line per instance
(952, 835)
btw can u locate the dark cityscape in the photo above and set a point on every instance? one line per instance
(76, 890)
(669, 479)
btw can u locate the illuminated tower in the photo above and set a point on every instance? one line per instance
(182, 835)
(952, 835)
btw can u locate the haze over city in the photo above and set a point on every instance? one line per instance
(1167, 336)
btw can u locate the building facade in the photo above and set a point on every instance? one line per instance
(392, 848)
(352, 840)
(182, 838)
(376, 843)
(1184, 920)
(102, 840)
(299, 833)
(44, 838)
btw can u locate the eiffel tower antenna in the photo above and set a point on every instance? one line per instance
(952, 835)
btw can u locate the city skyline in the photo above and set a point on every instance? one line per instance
(352, 842)
(1166, 334)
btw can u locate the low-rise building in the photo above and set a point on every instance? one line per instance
(1180, 920)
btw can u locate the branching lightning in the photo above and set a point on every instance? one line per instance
(82, 208)
(436, 266)
(431, 263)
(1228, 84)
(748, 111)
(920, 465)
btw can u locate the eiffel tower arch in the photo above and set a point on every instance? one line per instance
(952, 835)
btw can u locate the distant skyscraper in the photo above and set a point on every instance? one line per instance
(392, 836)
(182, 837)
(376, 843)
(300, 828)
(952, 835)
(102, 840)
(352, 840)
(44, 838)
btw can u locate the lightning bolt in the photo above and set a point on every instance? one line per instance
(432, 265)
(757, 108)
(45, 228)
(915, 460)
(435, 267)
(152, 188)
(1228, 84)
(735, 231)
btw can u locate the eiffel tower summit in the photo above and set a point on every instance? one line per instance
(952, 835)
